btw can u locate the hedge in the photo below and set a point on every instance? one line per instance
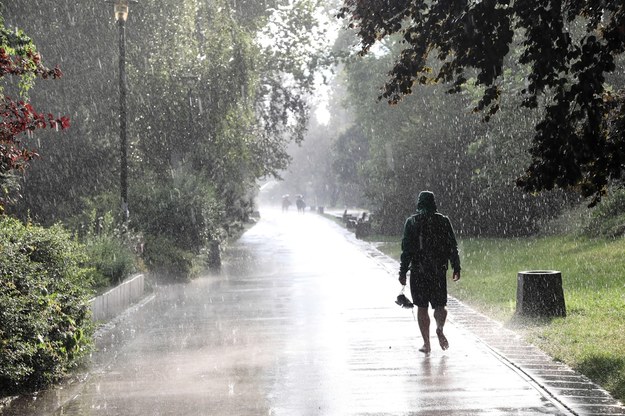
(45, 321)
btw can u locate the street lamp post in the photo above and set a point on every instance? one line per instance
(121, 14)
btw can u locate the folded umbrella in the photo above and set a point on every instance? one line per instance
(403, 301)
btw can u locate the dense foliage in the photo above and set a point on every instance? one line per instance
(381, 156)
(44, 319)
(216, 92)
(111, 250)
(180, 218)
(19, 58)
(570, 50)
(608, 219)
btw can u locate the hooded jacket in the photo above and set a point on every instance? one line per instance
(428, 243)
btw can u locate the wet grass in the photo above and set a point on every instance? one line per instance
(591, 338)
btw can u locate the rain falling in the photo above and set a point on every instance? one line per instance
(221, 207)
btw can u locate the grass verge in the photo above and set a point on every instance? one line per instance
(591, 339)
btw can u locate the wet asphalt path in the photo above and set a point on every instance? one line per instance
(300, 321)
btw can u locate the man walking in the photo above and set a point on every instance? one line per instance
(428, 245)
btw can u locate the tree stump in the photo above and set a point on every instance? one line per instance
(540, 294)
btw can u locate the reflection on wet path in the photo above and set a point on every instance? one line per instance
(299, 322)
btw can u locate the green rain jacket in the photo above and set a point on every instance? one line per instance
(429, 242)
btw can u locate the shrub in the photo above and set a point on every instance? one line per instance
(168, 261)
(608, 218)
(108, 250)
(111, 258)
(45, 322)
(180, 217)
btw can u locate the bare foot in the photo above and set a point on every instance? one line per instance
(425, 349)
(441, 339)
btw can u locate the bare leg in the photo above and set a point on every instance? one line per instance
(440, 316)
(423, 318)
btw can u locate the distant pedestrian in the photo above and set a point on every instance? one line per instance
(301, 205)
(286, 203)
(428, 245)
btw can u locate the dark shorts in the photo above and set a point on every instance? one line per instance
(429, 289)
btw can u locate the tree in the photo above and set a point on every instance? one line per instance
(578, 142)
(387, 154)
(73, 170)
(419, 145)
(19, 57)
(211, 109)
(198, 94)
(350, 151)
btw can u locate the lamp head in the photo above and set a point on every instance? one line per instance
(120, 8)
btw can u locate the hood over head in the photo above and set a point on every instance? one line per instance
(426, 203)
